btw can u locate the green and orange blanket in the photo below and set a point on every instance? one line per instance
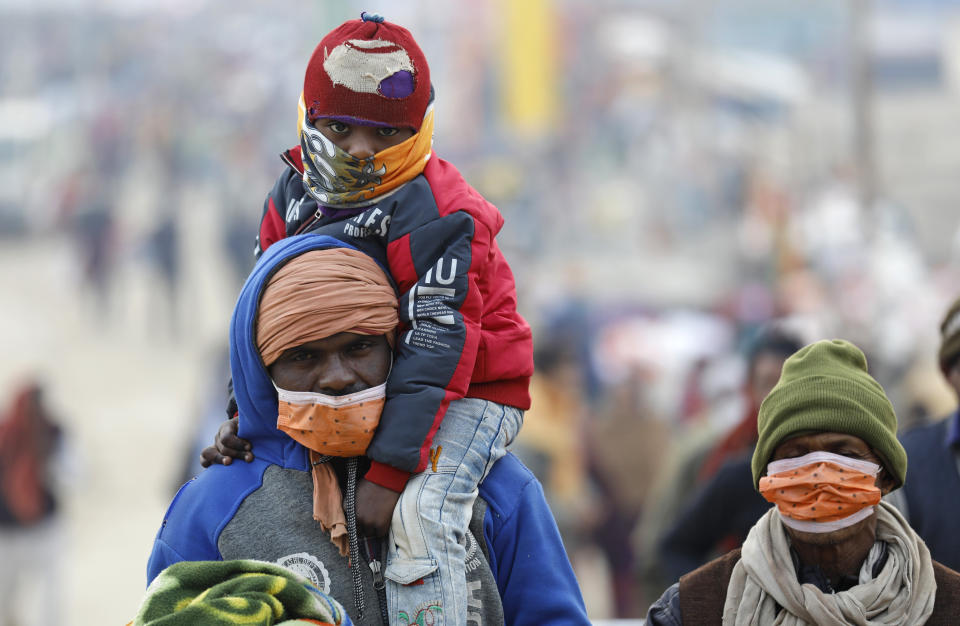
(223, 593)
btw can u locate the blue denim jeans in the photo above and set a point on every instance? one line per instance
(426, 579)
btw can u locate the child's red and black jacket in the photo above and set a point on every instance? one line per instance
(461, 334)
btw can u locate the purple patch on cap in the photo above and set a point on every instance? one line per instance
(399, 85)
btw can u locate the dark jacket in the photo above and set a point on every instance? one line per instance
(720, 515)
(700, 595)
(462, 334)
(932, 488)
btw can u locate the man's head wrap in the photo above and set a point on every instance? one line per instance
(321, 293)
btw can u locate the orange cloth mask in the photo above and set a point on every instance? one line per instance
(337, 179)
(333, 425)
(821, 491)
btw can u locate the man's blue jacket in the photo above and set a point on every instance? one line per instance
(263, 509)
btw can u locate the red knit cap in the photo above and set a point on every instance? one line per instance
(368, 71)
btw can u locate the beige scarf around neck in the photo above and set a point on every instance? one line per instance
(764, 589)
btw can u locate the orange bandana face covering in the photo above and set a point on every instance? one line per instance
(821, 492)
(337, 179)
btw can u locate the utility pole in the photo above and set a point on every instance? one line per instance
(862, 104)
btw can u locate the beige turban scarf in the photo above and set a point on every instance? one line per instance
(321, 293)
(313, 296)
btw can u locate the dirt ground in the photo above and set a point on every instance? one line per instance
(126, 388)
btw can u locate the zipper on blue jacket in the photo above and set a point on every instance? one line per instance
(379, 583)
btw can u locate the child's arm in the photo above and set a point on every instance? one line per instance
(273, 227)
(375, 505)
(286, 207)
(226, 447)
(437, 267)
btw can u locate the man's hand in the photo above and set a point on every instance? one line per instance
(226, 447)
(375, 506)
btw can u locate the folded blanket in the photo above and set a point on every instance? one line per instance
(215, 593)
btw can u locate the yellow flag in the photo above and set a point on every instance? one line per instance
(527, 73)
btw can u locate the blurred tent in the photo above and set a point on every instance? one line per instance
(755, 81)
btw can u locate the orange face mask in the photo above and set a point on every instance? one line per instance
(821, 492)
(331, 425)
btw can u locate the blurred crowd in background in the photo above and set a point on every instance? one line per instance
(678, 179)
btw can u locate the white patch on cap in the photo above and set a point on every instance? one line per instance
(350, 65)
(370, 44)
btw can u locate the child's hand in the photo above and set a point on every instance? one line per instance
(375, 506)
(226, 447)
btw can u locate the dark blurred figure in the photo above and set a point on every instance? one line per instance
(163, 249)
(93, 231)
(208, 415)
(764, 362)
(29, 530)
(235, 237)
(724, 505)
(625, 442)
(551, 441)
(87, 198)
(694, 401)
(931, 494)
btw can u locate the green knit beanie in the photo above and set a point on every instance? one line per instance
(950, 337)
(825, 387)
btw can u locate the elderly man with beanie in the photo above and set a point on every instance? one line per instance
(310, 351)
(829, 551)
(931, 495)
